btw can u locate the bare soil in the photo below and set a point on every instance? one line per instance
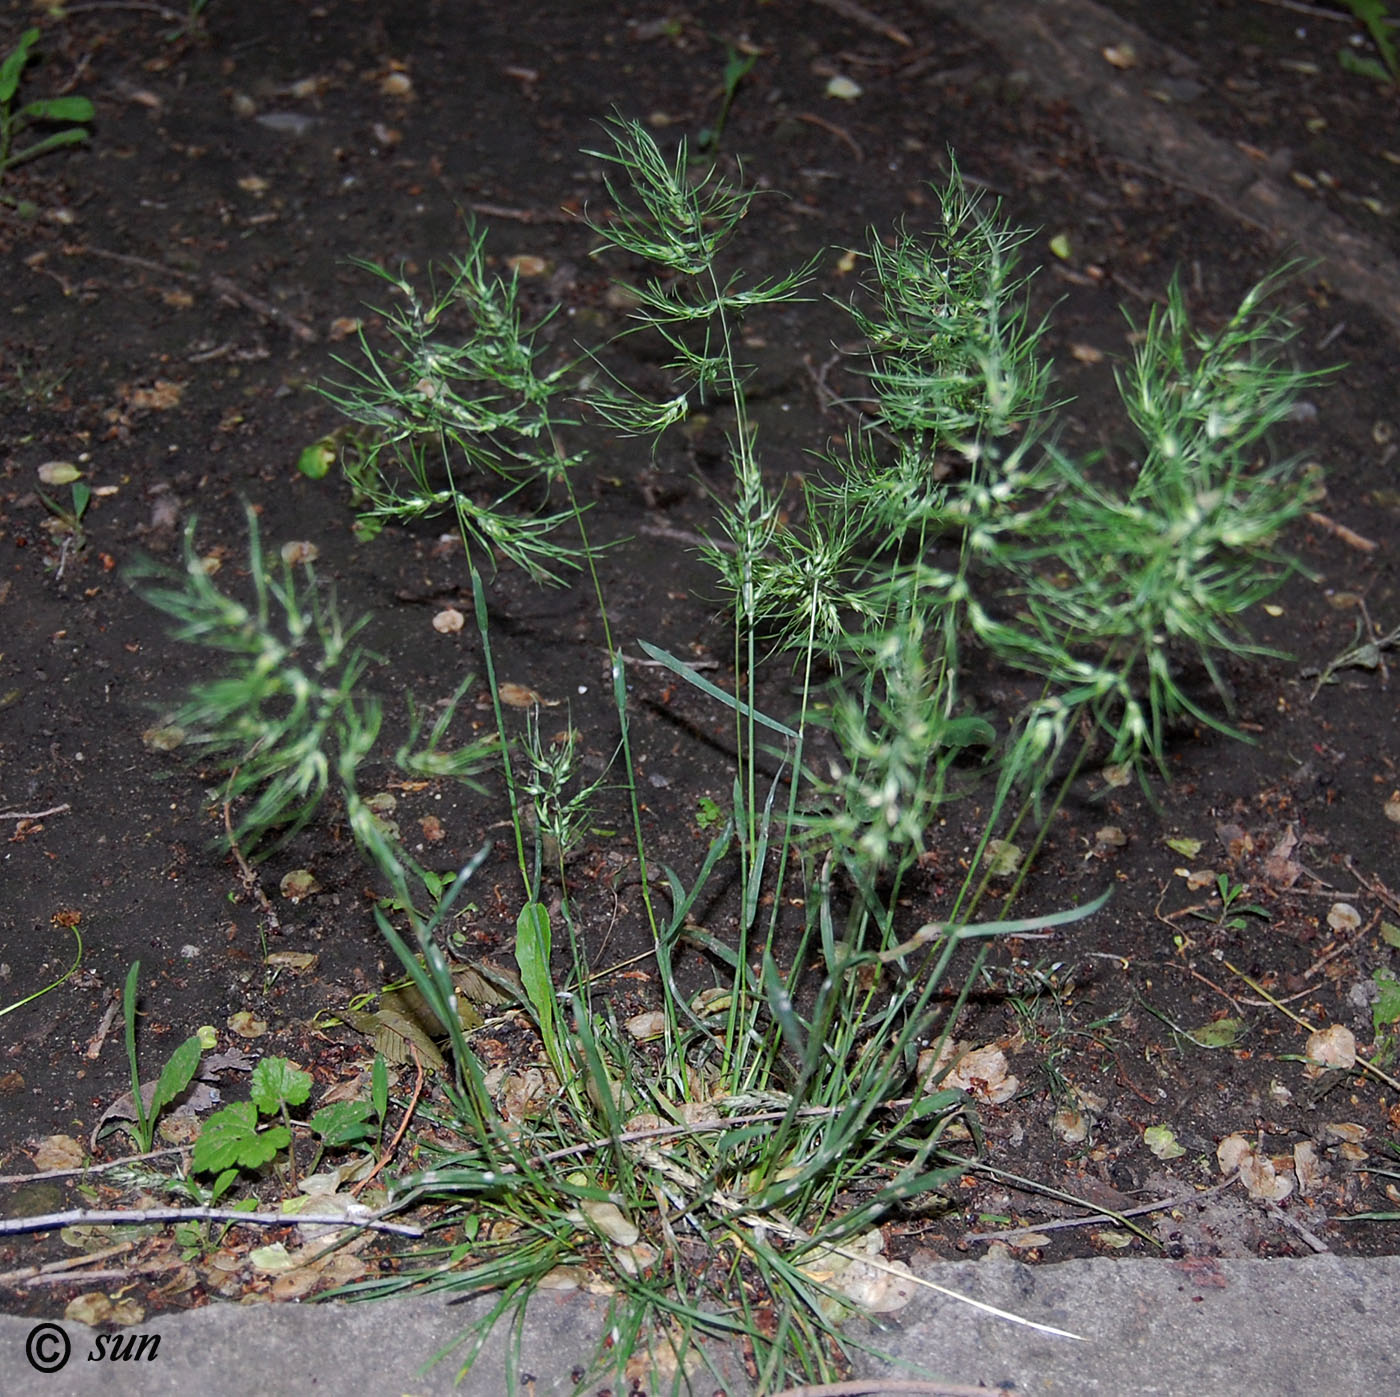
(190, 276)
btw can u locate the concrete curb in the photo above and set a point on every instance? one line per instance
(1321, 1327)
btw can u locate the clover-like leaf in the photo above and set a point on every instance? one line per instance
(231, 1140)
(343, 1123)
(276, 1083)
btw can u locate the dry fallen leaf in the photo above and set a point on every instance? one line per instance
(860, 1273)
(1003, 858)
(646, 1026)
(160, 397)
(1329, 1049)
(299, 883)
(1280, 867)
(165, 738)
(982, 1073)
(526, 265)
(518, 696)
(611, 1221)
(59, 473)
(1342, 916)
(1308, 1166)
(58, 1152)
(1071, 1125)
(1235, 839)
(1257, 1171)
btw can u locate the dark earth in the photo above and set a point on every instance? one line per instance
(187, 276)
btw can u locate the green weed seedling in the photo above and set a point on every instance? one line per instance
(16, 121)
(174, 1078)
(1233, 910)
(236, 1139)
(1375, 15)
(1385, 1016)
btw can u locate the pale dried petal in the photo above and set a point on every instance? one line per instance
(611, 1221)
(1330, 1049)
(646, 1026)
(1342, 916)
(1308, 1166)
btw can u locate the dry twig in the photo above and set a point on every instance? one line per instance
(117, 1217)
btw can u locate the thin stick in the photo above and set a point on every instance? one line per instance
(839, 132)
(861, 1386)
(403, 1124)
(92, 1168)
(848, 9)
(1310, 1237)
(1303, 1023)
(215, 282)
(1373, 885)
(523, 215)
(115, 1217)
(249, 878)
(94, 1047)
(1093, 1219)
(1350, 537)
(1298, 7)
(35, 814)
(170, 1264)
(72, 1263)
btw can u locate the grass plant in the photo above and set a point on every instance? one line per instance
(720, 1166)
(16, 122)
(289, 712)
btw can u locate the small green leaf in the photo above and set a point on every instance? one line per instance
(1162, 1142)
(72, 136)
(1390, 934)
(343, 1123)
(532, 945)
(222, 1184)
(1363, 65)
(177, 1074)
(959, 733)
(231, 1140)
(379, 1086)
(1223, 1033)
(14, 63)
(276, 1083)
(1386, 1010)
(707, 813)
(1059, 245)
(317, 459)
(58, 109)
(1003, 858)
(1187, 848)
